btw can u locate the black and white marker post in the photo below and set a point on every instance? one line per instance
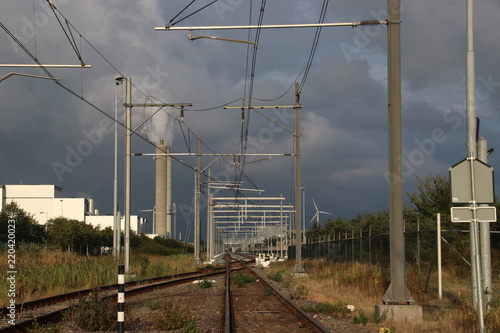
(121, 298)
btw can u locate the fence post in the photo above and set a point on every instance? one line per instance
(361, 245)
(345, 248)
(352, 245)
(370, 245)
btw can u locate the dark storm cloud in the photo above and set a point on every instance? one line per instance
(344, 119)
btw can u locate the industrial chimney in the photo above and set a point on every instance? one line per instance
(161, 190)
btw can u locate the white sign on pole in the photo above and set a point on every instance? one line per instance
(483, 214)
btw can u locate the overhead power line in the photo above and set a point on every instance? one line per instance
(185, 17)
(315, 42)
(49, 74)
(68, 33)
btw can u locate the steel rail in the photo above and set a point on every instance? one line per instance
(296, 310)
(75, 294)
(57, 315)
(228, 323)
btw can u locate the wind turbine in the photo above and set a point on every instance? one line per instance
(316, 216)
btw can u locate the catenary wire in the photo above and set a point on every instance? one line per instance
(71, 40)
(35, 30)
(182, 11)
(196, 11)
(315, 43)
(246, 123)
(73, 92)
(79, 54)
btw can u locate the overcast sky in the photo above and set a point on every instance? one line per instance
(49, 135)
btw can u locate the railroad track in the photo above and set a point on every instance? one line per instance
(51, 309)
(258, 307)
(225, 307)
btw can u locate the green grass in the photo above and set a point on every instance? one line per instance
(170, 316)
(337, 309)
(204, 284)
(93, 315)
(241, 279)
(46, 272)
(276, 276)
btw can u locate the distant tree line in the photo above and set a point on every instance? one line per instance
(78, 236)
(433, 197)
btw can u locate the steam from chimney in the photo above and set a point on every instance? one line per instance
(161, 127)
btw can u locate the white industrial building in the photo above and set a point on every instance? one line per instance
(45, 202)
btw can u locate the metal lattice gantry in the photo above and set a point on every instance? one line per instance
(252, 223)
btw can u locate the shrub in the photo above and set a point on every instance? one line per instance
(278, 276)
(205, 284)
(361, 318)
(173, 317)
(241, 279)
(328, 308)
(93, 314)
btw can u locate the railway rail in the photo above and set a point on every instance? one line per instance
(261, 307)
(254, 307)
(51, 309)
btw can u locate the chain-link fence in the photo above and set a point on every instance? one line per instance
(421, 258)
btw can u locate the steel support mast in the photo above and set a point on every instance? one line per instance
(471, 156)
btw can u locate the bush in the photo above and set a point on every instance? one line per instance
(328, 308)
(93, 314)
(241, 279)
(278, 276)
(173, 317)
(205, 284)
(361, 318)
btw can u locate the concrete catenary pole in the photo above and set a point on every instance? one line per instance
(197, 190)
(116, 212)
(298, 239)
(484, 234)
(174, 220)
(209, 243)
(213, 245)
(281, 226)
(128, 135)
(397, 292)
